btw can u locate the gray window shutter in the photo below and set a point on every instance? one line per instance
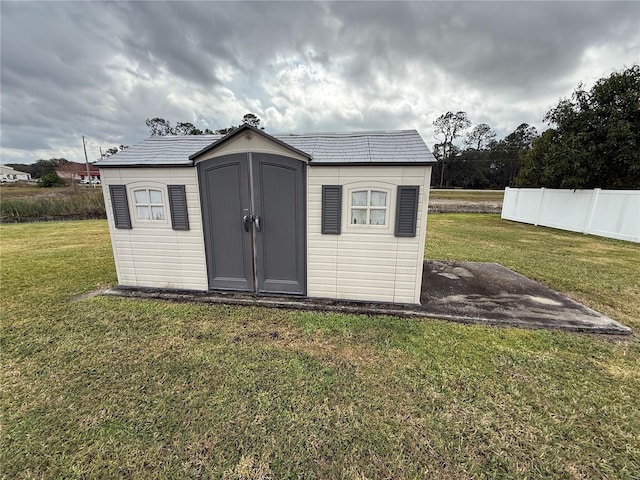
(118, 194)
(331, 209)
(178, 206)
(407, 210)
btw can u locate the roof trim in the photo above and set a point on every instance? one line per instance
(314, 164)
(237, 132)
(155, 165)
(372, 164)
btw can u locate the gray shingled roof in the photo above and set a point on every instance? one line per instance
(399, 146)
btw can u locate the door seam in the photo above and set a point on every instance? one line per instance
(252, 230)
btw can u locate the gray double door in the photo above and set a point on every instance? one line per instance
(254, 217)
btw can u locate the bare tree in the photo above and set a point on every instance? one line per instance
(449, 126)
(480, 136)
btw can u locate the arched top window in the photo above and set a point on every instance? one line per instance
(369, 207)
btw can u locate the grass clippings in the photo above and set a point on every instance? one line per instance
(128, 388)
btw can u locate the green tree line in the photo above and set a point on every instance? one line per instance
(593, 142)
(483, 161)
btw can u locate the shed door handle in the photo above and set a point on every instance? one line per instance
(246, 220)
(258, 221)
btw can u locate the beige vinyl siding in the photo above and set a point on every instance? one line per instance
(365, 262)
(153, 254)
(362, 263)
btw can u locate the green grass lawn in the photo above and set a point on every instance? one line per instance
(128, 388)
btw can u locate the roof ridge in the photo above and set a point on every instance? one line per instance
(348, 134)
(181, 137)
(306, 134)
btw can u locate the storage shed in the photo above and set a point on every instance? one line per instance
(327, 215)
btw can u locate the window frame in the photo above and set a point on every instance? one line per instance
(133, 204)
(368, 188)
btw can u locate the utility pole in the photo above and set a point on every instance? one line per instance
(86, 162)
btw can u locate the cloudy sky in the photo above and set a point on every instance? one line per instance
(100, 69)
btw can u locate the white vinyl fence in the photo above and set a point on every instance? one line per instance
(607, 213)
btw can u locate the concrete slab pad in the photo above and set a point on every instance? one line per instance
(490, 293)
(465, 292)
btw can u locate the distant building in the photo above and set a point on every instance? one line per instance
(10, 174)
(77, 172)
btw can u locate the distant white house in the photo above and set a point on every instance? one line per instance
(9, 174)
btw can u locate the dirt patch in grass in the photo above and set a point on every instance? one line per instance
(464, 206)
(465, 201)
(319, 345)
(467, 195)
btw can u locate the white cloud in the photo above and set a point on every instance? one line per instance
(100, 69)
